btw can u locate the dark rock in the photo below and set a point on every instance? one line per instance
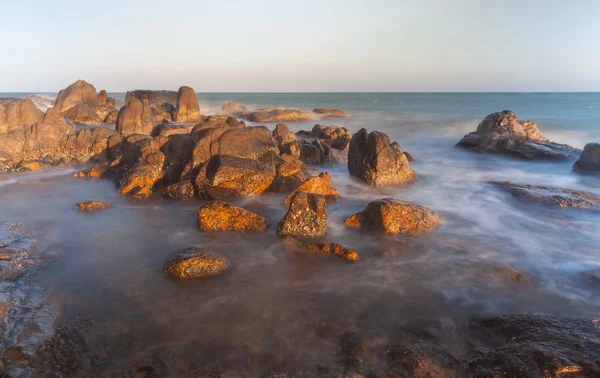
(194, 263)
(306, 216)
(180, 190)
(330, 112)
(90, 206)
(153, 98)
(282, 135)
(550, 196)
(589, 161)
(335, 136)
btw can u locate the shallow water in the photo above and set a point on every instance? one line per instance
(260, 317)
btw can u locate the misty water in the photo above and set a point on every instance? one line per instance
(263, 316)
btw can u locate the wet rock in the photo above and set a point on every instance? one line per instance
(390, 216)
(30, 166)
(376, 161)
(269, 115)
(180, 190)
(306, 216)
(153, 98)
(320, 184)
(139, 181)
(509, 274)
(188, 108)
(502, 133)
(325, 249)
(90, 206)
(232, 108)
(135, 118)
(220, 216)
(310, 153)
(195, 263)
(335, 136)
(80, 92)
(589, 161)
(282, 135)
(330, 112)
(550, 196)
(289, 174)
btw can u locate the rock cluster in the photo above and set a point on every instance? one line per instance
(80, 103)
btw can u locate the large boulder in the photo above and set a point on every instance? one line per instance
(188, 108)
(194, 263)
(330, 112)
(390, 216)
(503, 133)
(135, 118)
(19, 113)
(80, 92)
(306, 216)
(153, 98)
(232, 108)
(376, 161)
(589, 161)
(220, 216)
(320, 184)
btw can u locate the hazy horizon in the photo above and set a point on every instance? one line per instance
(330, 46)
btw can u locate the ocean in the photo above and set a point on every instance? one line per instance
(110, 268)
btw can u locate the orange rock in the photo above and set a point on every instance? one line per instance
(79, 174)
(194, 263)
(321, 184)
(30, 166)
(392, 217)
(220, 216)
(333, 249)
(140, 180)
(92, 206)
(306, 216)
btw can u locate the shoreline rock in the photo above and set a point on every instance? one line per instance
(306, 216)
(320, 184)
(91, 206)
(550, 196)
(330, 112)
(589, 161)
(220, 216)
(195, 263)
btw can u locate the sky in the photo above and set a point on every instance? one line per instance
(301, 46)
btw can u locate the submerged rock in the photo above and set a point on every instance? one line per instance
(502, 133)
(232, 108)
(220, 216)
(392, 217)
(330, 112)
(193, 263)
(376, 161)
(589, 161)
(333, 249)
(90, 206)
(187, 107)
(550, 196)
(306, 216)
(320, 184)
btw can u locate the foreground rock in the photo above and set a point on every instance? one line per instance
(220, 216)
(390, 216)
(306, 216)
(589, 161)
(90, 206)
(550, 196)
(320, 184)
(502, 133)
(376, 161)
(330, 112)
(194, 263)
(188, 108)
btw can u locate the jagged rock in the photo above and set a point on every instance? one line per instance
(233, 107)
(220, 216)
(282, 135)
(376, 161)
(139, 181)
(188, 108)
(330, 112)
(390, 216)
(80, 92)
(310, 153)
(194, 263)
(335, 136)
(135, 118)
(290, 174)
(90, 206)
(320, 184)
(550, 196)
(589, 161)
(306, 216)
(502, 133)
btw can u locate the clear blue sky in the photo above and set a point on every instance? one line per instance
(288, 45)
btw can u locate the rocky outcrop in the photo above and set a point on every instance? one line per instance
(290, 173)
(320, 184)
(282, 135)
(88, 114)
(220, 216)
(90, 206)
(376, 161)
(135, 118)
(80, 92)
(306, 216)
(390, 216)
(233, 108)
(188, 108)
(330, 112)
(502, 133)
(269, 115)
(194, 263)
(550, 196)
(153, 98)
(19, 113)
(589, 161)
(102, 97)
(335, 136)
(139, 181)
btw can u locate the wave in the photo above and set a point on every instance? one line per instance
(42, 101)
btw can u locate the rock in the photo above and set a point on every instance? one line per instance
(30, 166)
(180, 190)
(87, 114)
(589, 161)
(282, 135)
(509, 274)
(320, 184)
(310, 153)
(163, 113)
(376, 161)
(194, 263)
(390, 216)
(153, 98)
(102, 97)
(335, 136)
(330, 112)
(306, 216)
(135, 118)
(19, 113)
(502, 133)
(92, 206)
(188, 108)
(220, 216)
(232, 108)
(80, 92)
(276, 115)
(325, 249)
(550, 196)
(289, 174)
(139, 181)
